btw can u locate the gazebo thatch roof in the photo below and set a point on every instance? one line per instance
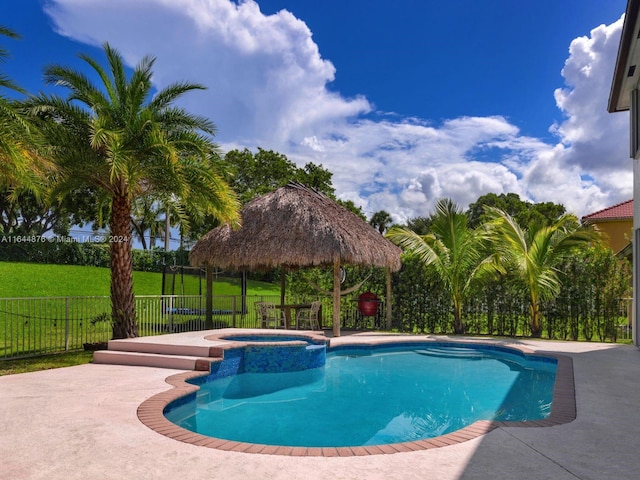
(295, 226)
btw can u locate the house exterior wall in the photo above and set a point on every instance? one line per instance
(636, 249)
(634, 112)
(618, 233)
(624, 95)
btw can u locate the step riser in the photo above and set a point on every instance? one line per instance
(147, 360)
(160, 349)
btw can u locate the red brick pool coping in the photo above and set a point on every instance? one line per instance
(563, 410)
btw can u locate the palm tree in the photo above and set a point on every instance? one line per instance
(455, 251)
(381, 220)
(20, 165)
(125, 144)
(145, 217)
(533, 254)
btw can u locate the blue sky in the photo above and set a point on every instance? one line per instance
(405, 102)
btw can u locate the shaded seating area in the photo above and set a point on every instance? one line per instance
(270, 316)
(295, 227)
(308, 318)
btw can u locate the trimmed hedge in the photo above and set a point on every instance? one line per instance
(85, 253)
(591, 304)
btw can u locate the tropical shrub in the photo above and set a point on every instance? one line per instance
(533, 253)
(454, 251)
(421, 303)
(591, 302)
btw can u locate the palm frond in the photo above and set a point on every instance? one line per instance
(164, 98)
(411, 241)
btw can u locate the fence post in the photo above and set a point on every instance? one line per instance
(66, 325)
(171, 298)
(233, 311)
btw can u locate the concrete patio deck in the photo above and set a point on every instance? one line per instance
(81, 423)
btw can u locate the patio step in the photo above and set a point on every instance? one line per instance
(177, 362)
(166, 348)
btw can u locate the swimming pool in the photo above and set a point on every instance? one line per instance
(372, 395)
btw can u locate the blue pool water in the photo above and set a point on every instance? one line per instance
(372, 396)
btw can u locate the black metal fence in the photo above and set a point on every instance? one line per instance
(39, 326)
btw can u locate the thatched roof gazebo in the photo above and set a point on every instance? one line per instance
(295, 226)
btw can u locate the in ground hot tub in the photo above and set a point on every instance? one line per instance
(274, 353)
(268, 338)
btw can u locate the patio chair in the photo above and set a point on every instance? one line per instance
(308, 317)
(269, 315)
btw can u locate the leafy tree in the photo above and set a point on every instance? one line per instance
(349, 205)
(456, 252)
(316, 176)
(546, 212)
(145, 216)
(381, 220)
(525, 213)
(118, 140)
(420, 225)
(24, 213)
(533, 254)
(252, 175)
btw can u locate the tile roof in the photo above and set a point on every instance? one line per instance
(621, 211)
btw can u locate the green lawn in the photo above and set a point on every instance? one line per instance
(40, 280)
(57, 322)
(47, 362)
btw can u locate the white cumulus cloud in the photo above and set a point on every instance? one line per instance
(268, 87)
(591, 163)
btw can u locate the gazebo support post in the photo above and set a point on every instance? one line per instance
(283, 284)
(336, 298)
(388, 271)
(243, 292)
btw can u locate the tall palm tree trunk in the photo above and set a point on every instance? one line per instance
(536, 318)
(122, 300)
(458, 326)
